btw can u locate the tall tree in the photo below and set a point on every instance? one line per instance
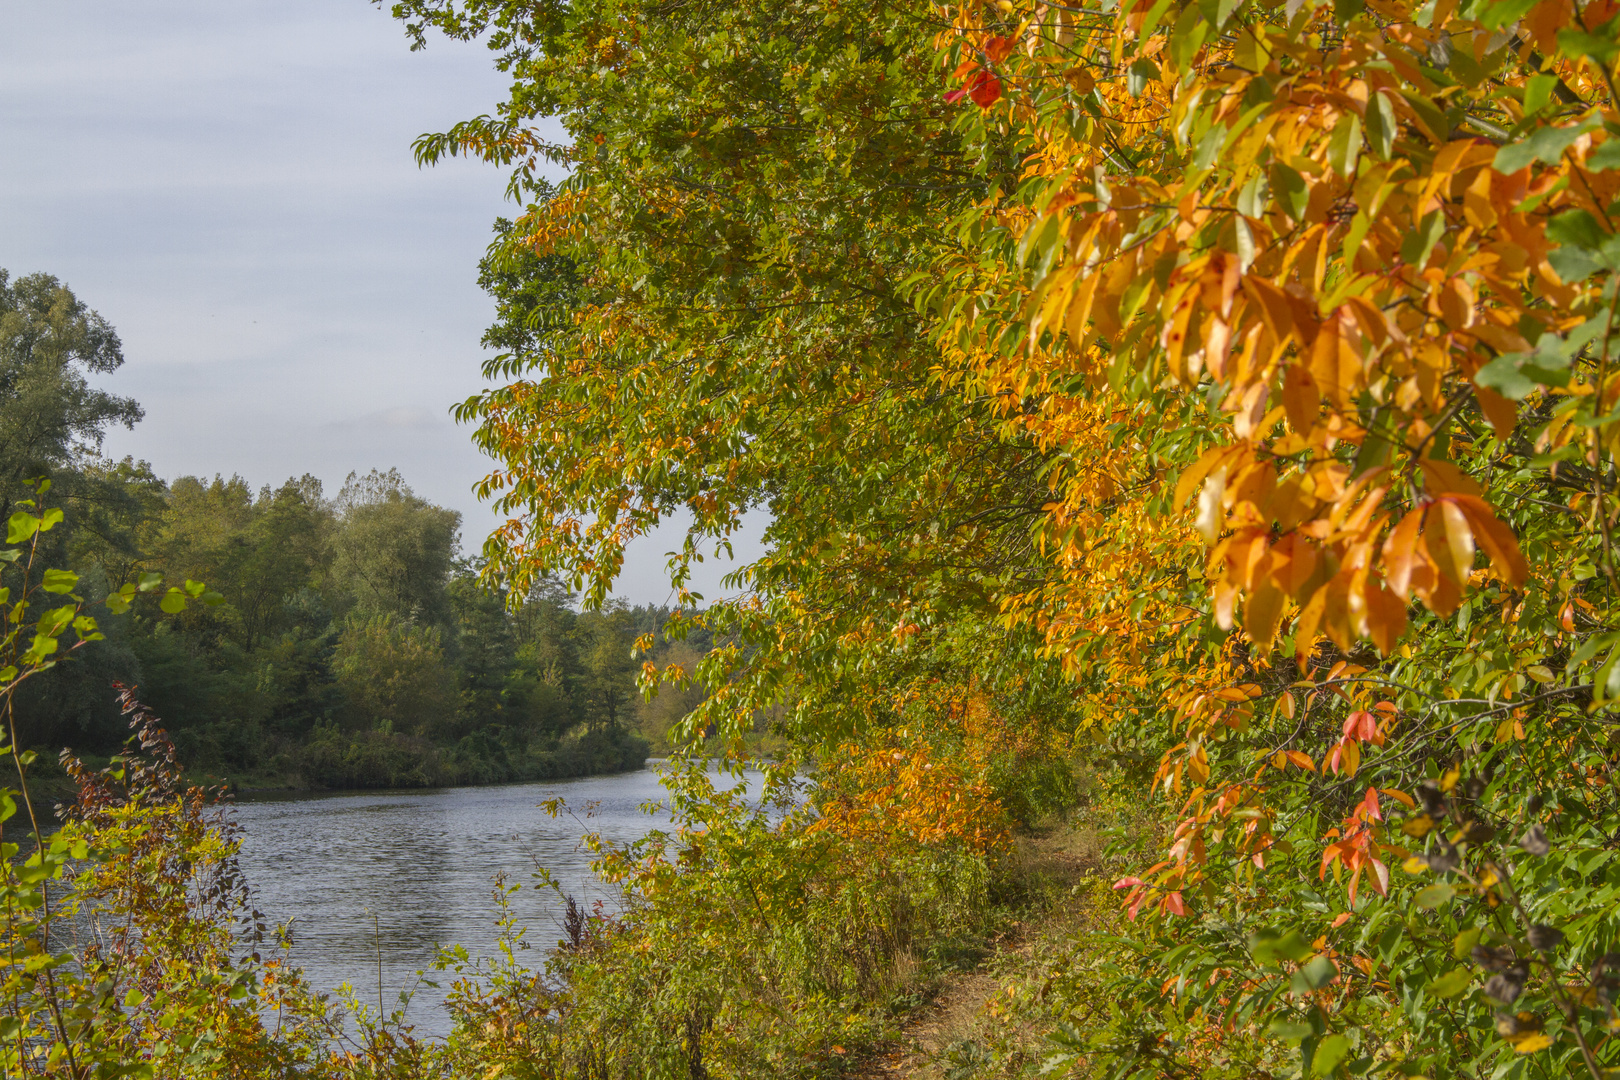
(393, 551)
(51, 418)
(1268, 395)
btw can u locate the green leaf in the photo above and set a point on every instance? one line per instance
(1381, 125)
(1360, 225)
(1434, 895)
(1275, 946)
(59, 581)
(1218, 11)
(173, 602)
(1209, 148)
(1538, 91)
(1451, 983)
(150, 582)
(1606, 156)
(1465, 943)
(1253, 196)
(56, 620)
(1290, 189)
(1188, 36)
(1417, 245)
(1314, 975)
(22, 526)
(43, 646)
(1579, 228)
(1505, 377)
(1600, 46)
(1429, 115)
(1547, 144)
(1344, 147)
(1329, 1053)
(1515, 375)
(1608, 676)
(1284, 1028)
(1508, 11)
(1246, 249)
(1139, 75)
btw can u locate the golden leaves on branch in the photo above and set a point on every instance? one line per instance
(1322, 246)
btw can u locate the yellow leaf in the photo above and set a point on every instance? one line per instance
(1418, 827)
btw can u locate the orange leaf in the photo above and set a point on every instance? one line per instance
(1302, 760)
(1301, 399)
(1496, 538)
(1400, 552)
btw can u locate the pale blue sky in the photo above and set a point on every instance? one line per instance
(231, 185)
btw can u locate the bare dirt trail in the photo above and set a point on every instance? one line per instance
(952, 1034)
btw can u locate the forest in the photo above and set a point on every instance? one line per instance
(347, 643)
(1189, 621)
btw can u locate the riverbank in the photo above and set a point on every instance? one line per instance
(335, 760)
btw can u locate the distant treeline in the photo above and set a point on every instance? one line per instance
(353, 647)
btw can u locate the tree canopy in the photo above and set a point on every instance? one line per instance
(1225, 387)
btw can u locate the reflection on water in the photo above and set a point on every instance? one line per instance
(391, 876)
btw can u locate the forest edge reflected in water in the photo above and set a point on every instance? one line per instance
(389, 878)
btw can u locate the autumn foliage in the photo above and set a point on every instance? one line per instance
(1218, 392)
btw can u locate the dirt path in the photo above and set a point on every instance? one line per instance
(952, 1032)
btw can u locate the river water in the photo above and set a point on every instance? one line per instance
(387, 878)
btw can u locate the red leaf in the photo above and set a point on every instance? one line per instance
(985, 89)
(1361, 726)
(998, 49)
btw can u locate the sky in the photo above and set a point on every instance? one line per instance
(231, 185)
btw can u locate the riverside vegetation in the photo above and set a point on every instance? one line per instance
(1190, 425)
(350, 645)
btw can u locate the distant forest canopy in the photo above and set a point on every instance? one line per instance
(353, 647)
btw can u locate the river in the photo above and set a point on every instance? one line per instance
(386, 878)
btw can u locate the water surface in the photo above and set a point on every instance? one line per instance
(386, 878)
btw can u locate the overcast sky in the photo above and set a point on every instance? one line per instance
(231, 185)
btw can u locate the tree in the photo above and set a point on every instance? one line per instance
(1248, 366)
(484, 652)
(51, 425)
(1353, 284)
(607, 677)
(393, 551)
(51, 418)
(256, 551)
(394, 675)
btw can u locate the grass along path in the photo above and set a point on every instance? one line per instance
(973, 1027)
